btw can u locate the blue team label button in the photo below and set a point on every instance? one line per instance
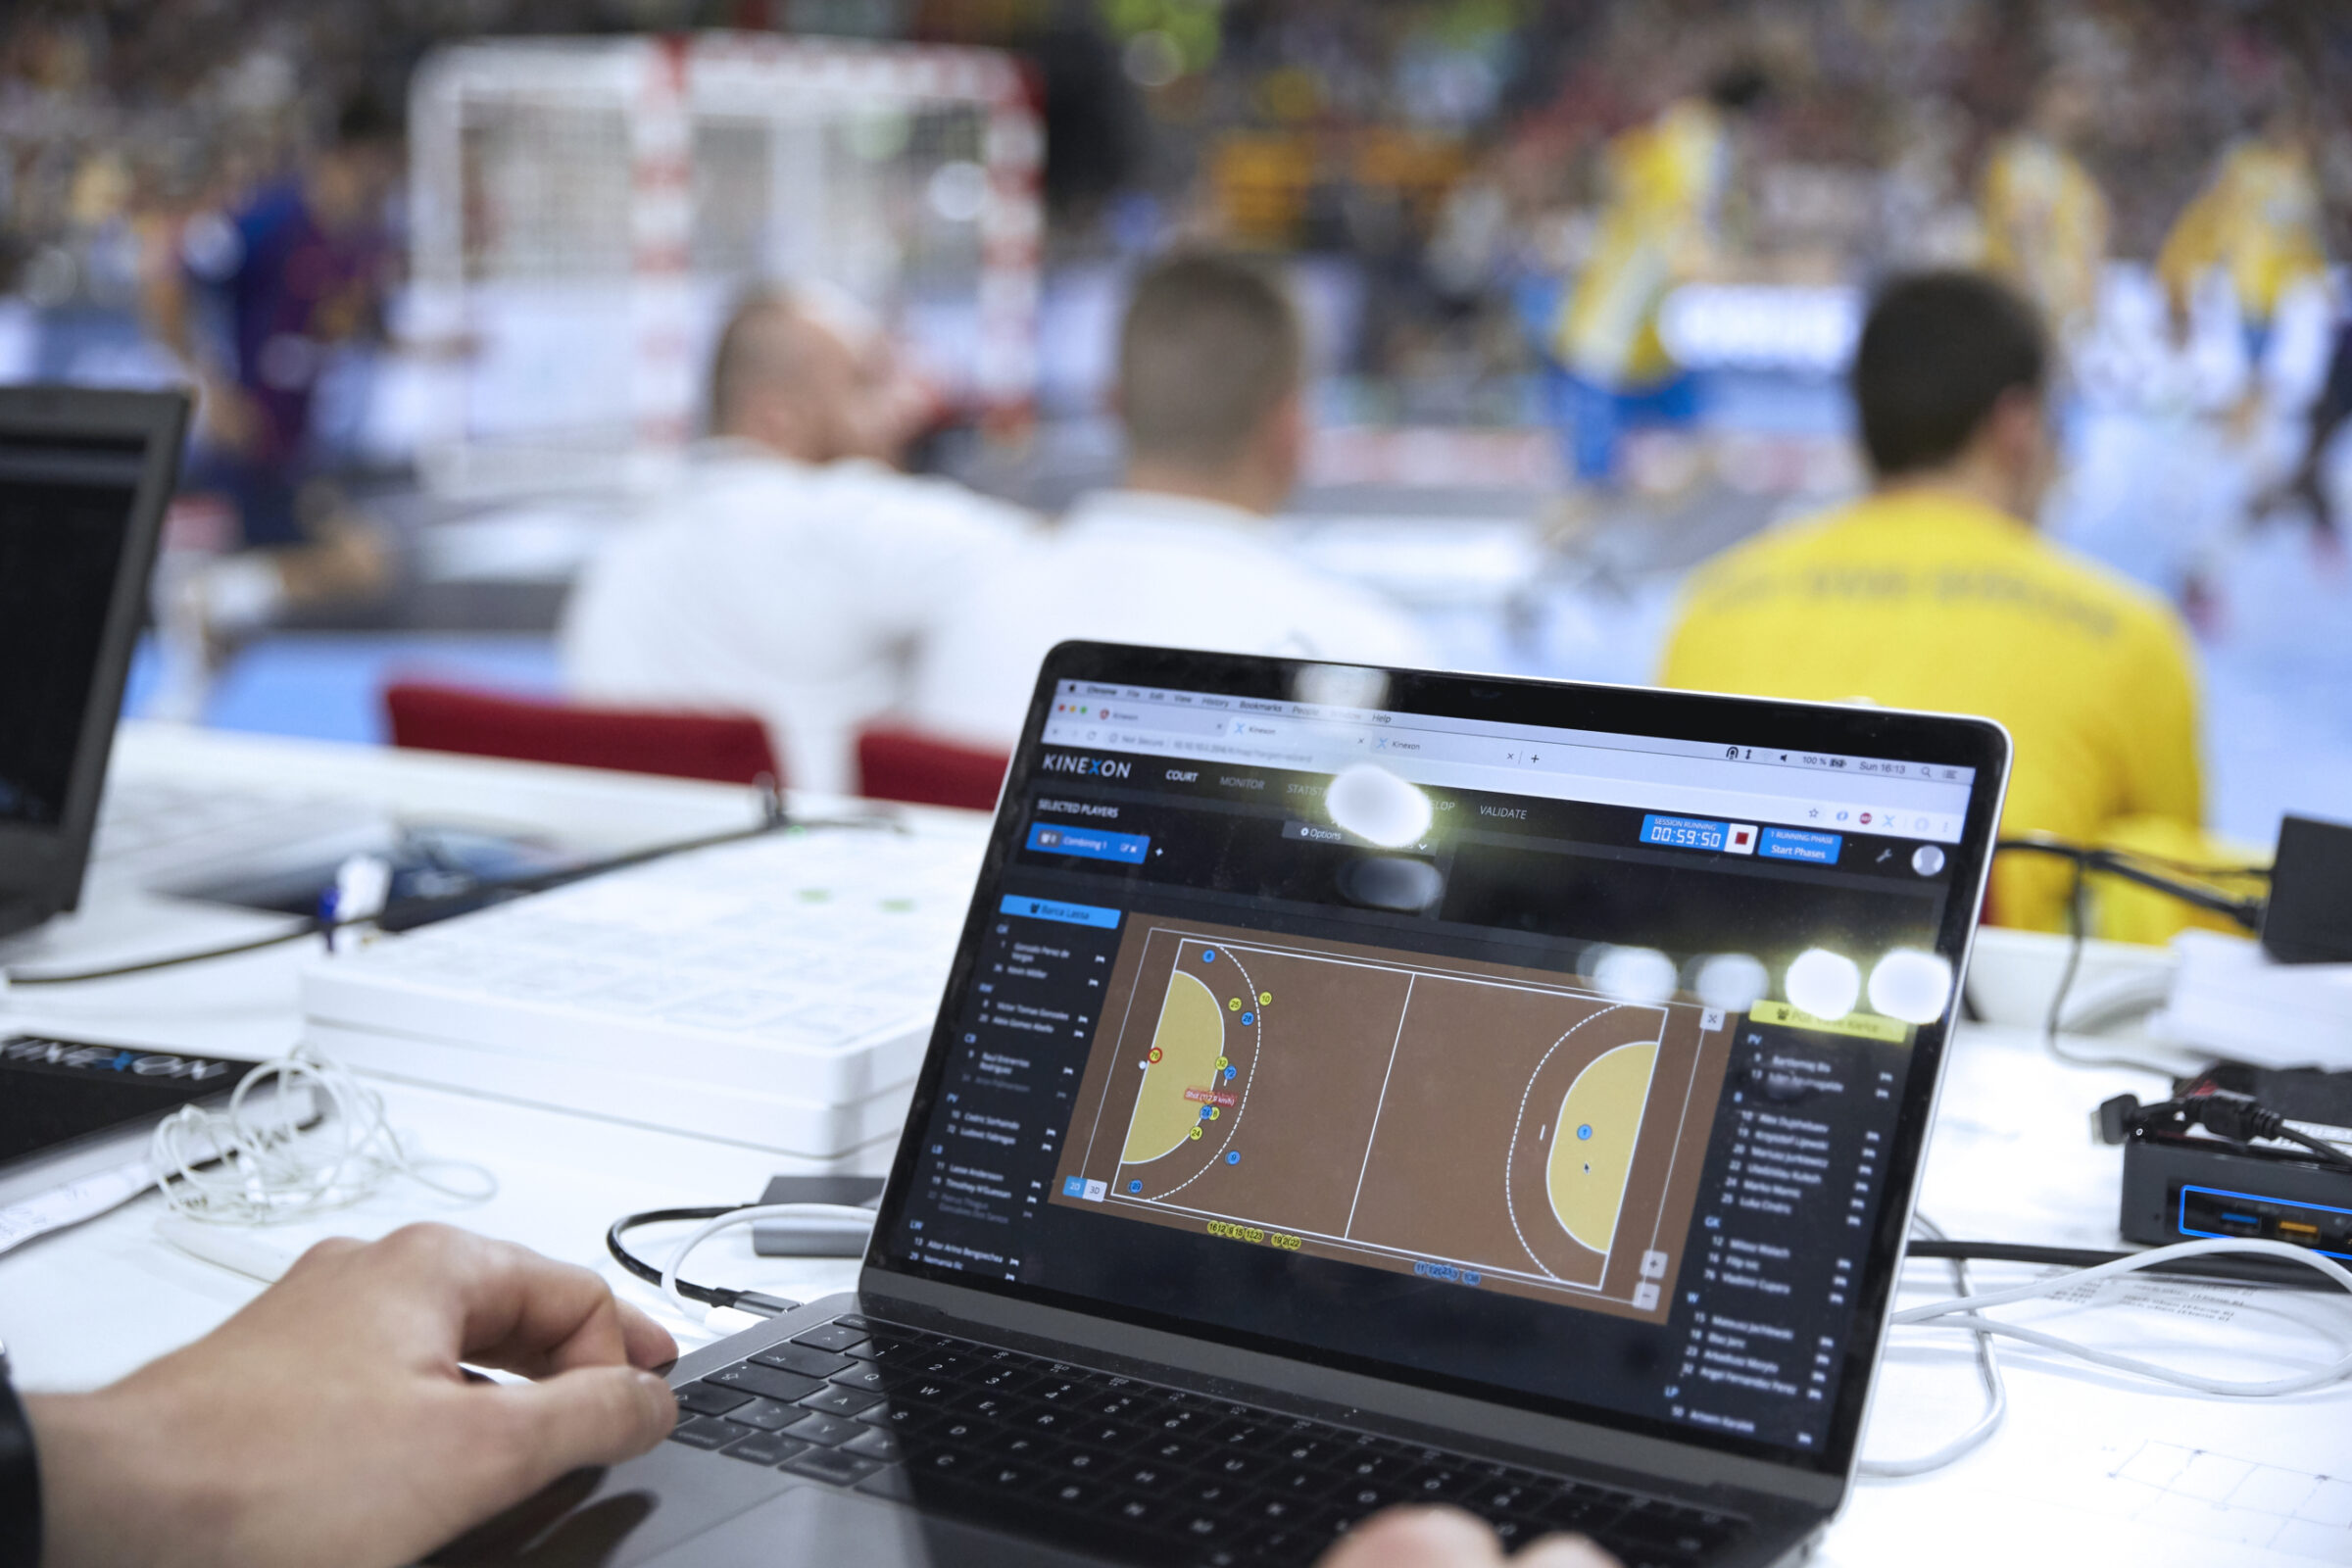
(1055, 909)
(1682, 832)
(1795, 844)
(1091, 844)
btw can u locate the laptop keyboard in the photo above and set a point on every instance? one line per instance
(1121, 1465)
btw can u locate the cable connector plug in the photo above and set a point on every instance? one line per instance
(2115, 1118)
(2232, 1115)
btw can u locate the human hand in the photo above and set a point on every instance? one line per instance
(1447, 1538)
(329, 1421)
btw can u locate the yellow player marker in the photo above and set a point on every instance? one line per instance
(1265, 997)
(1185, 1043)
(1593, 1142)
(1234, 1006)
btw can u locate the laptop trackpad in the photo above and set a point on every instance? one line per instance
(810, 1525)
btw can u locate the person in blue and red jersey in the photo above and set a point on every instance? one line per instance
(258, 302)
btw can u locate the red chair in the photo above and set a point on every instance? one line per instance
(730, 748)
(906, 765)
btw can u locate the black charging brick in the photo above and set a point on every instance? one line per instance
(2309, 916)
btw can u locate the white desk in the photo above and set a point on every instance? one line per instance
(2012, 1160)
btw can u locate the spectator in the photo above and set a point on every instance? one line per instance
(1211, 395)
(1936, 592)
(792, 572)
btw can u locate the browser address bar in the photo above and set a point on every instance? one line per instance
(1547, 779)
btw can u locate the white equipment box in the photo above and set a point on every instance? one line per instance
(777, 993)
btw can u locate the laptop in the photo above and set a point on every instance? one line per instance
(84, 478)
(1357, 1087)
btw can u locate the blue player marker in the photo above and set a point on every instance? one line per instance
(1135, 1187)
(1229, 1072)
(1585, 1131)
(1248, 1019)
(1208, 955)
(1233, 1157)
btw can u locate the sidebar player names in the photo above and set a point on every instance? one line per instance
(1794, 1172)
(1011, 1078)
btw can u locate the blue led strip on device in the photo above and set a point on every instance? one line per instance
(2180, 1219)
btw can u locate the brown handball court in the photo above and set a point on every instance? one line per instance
(1397, 1111)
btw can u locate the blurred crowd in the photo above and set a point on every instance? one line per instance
(1460, 150)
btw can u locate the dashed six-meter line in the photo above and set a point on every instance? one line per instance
(1255, 1047)
(1520, 1120)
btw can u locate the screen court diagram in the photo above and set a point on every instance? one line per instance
(1501, 1126)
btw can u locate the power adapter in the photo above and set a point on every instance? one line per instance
(2309, 916)
(786, 1238)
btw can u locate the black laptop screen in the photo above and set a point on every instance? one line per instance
(1565, 1063)
(64, 520)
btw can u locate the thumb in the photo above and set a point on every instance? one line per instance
(587, 1416)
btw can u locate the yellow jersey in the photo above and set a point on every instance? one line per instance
(1927, 599)
(1664, 182)
(2258, 220)
(2045, 225)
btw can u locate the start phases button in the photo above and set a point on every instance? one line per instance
(1795, 844)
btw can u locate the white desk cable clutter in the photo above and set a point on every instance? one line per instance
(240, 1166)
(2198, 1258)
(725, 1307)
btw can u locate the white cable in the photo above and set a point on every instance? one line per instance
(844, 1221)
(1967, 1312)
(242, 1167)
(1996, 1393)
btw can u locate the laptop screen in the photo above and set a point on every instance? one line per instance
(1562, 1064)
(65, 507)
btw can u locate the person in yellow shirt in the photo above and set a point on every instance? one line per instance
(2045, 219)
(1936, 592)
(1665, 183)
(2257, 221)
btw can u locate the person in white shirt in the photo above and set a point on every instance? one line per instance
(793, 571)
(1210, 393)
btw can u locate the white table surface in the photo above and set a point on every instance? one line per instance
(2011, 1158)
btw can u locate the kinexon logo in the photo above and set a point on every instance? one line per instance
(1099, 766)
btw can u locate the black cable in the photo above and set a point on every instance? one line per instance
(709, 1294)
(2130, 866)
(2236, 1270)
(2078, 922)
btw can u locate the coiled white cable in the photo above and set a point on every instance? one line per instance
(248, 1165)
(1996, 1393)
(838, 1218)
(1967, 1312)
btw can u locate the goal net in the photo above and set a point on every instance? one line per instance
(585, 211)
